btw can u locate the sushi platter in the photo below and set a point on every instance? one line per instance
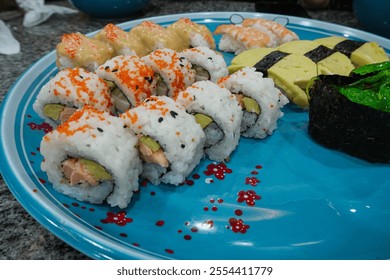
(278, 194)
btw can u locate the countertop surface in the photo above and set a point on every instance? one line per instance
(21, 237)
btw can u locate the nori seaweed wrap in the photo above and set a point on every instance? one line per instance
(352, 114)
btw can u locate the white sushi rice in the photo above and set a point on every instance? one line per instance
(99, 137)
(74, 87)
(209, 60)
(177, 132)
(210, 99)
(175, 70)
(252, 84)
(134, 78)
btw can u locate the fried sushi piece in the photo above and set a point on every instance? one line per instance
(77, 50)
(290, 72)
(360, 52)
(218, 113)
(278, 33)
(196, 35)
(170, 140)
(130, 79)
(236, 38)
(119, 40)
(328, 61)
(174, 72)
(69, 90)
(260, 99)
(207, 63)
(352, 114)
(105, 167)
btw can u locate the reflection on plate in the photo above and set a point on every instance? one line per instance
(284, 197)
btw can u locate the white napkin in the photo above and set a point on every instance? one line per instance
(8, 44)
(37, 12)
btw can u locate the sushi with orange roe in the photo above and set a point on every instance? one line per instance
(170, 140)
(130, 80)
(69, 90)
(174, 71)
(105, 168)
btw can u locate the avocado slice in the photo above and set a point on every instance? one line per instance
(150, 143)
(95, 169)
(251, 105)
(203, 120)
(111, 85)
(53, 110)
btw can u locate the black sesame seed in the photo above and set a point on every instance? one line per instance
(182, 58)
(114, 70)
(173, 114)
(183, 146)
(182, 65)
(99, 129)
(210, 58)
(136, 87)
(160, 119)
(125, 126)
(81, 77)
(107, 67)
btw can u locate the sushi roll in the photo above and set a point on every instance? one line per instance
(352, 114)
(69, 90)
(260, 99)
(360, 52)
(207, 63)
(218, 113)
(174, 72)
(92, 158)
(196, 35)
(236, 38)
(78, 50)
(170, 140)
(278, 33)
(118, 39)
(290, 72)
(130, 80)
(328, 61)
(152, 36)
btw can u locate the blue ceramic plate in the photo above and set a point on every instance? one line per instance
(284, 197)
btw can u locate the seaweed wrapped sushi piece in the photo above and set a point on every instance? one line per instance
(170, 140)
(93, 158)
(218, 113)
(352, 114)
(70, 90)
(261, 101)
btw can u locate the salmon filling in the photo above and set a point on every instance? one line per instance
(58, 112)
(78, 171)
(151, 151)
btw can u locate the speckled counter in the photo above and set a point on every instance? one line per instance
(21, 237)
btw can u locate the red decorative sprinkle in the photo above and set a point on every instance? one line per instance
(42, 181)
(259, 167)
(220, 200)
(123, 234)
(238, 212)
(196, 176)
(248, 196)
(254, 172)
(152, 193)
(194, 229)
(160, 223)
(238, 225)
(119, 218)
(169, 251)
(187, 237)
(135, 244)
(35, 190)
(214, 208)
(206, 208)
(218, 170)
(43, 126)
(252, 181)
(75, 204)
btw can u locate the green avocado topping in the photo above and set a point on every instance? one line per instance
(150, 143)
(251, 105)
(203, 120)
(96, 170)
(371, 86)
(53, 111)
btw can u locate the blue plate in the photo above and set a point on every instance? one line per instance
(284, 197)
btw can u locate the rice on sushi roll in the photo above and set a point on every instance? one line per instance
(92, 158)
(218, 113)
(352, 114)
(175, 72)
(170, 140)
(207, 63)
(130, 79)
(69, 90)
(260, 99)
(78, 50)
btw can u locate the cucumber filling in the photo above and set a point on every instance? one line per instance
(201, 74)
